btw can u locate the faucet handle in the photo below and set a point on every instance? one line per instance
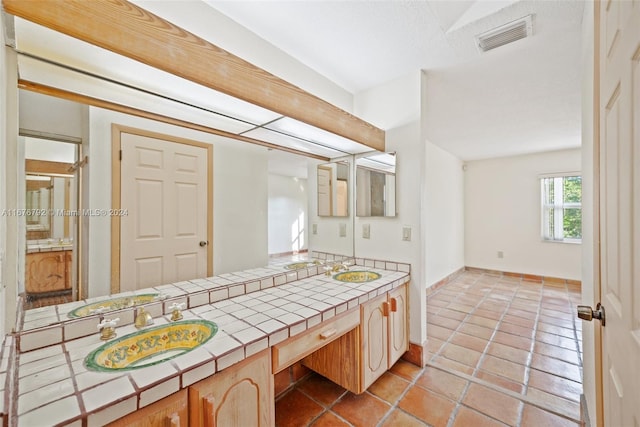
(98, 310)
(177, 306)
(108, 323)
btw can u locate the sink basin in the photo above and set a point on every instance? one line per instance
(112, 304)
(150, 346)
(357, 276)
(298, 265)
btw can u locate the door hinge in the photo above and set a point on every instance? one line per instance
(120, 154)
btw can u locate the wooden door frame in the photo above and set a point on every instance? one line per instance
(116, 193)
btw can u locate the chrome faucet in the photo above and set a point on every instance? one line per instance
(107, 328)
(143, 318)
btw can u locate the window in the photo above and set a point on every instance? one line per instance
(562, 208)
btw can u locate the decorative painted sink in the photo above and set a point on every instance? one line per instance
(298, 265)
(357, 276)
(150, 346)
(112, 304)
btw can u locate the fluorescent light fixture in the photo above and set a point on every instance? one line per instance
(313, 134)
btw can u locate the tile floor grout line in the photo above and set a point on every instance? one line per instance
(529, 361)
(520, 396)
(494, 387)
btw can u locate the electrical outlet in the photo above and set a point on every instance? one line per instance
(343, 230)
(406, 233)
(366, 231)
(500, 254)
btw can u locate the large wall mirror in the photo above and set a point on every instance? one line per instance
(333, 189)
(376, 185)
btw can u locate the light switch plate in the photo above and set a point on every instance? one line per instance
(314, 228)
(366, 231)
(406, 233)
(343, 230)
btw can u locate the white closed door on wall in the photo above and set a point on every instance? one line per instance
(163, 237)
(324, 191)
(619, 111)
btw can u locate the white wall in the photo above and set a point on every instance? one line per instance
(3, 181)
(9, 167)
(396, 106)
(240, 197)
(502, 213)
(443, 213)
(288, 230)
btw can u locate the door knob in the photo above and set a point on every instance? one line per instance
(586, 313)
(203, 243)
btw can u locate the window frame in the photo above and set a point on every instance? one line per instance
(558, 205)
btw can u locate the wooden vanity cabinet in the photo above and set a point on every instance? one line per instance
(48, 272)
(172, 411)
(241, 395)
(370, 350)
(385, 335)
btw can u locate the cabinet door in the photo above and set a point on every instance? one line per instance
(45, 272)
(172, 411)
(398, 324)
(374, 339)
(241, 395)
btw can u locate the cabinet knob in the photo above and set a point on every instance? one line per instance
(385, 309)
(209, 411)
(327, 334)
(173, 420)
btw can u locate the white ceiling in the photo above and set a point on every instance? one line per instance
(520, 98)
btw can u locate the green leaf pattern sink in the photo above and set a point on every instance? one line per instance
(357, 276)
(150, 346)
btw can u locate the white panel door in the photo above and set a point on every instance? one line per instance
(164, 190)
(324, 191)
(620, 209)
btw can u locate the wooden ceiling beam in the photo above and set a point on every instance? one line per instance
(128, 30)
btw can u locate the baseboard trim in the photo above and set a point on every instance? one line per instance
(416, 354)
(526, 277)
(433, 288)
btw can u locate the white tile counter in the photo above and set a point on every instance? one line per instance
(54, 386)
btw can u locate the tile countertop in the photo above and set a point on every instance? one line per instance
(219, 287)
(55, 387)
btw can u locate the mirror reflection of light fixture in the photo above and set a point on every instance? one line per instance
(376, 185)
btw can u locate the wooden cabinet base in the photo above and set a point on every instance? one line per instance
(241, 395)
(339, 361)
(172, 411)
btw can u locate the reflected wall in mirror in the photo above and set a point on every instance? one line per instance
(376, 185)
(333, 189)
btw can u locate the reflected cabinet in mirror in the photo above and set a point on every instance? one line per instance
(376, 185)
(333, 189)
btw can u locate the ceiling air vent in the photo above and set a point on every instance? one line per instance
(505, 34)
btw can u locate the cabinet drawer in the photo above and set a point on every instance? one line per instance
(294, 349)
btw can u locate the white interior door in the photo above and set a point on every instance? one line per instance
(324, 191)
(620, 209)
(163, 237)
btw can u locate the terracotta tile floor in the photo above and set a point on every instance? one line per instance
(502, 352)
